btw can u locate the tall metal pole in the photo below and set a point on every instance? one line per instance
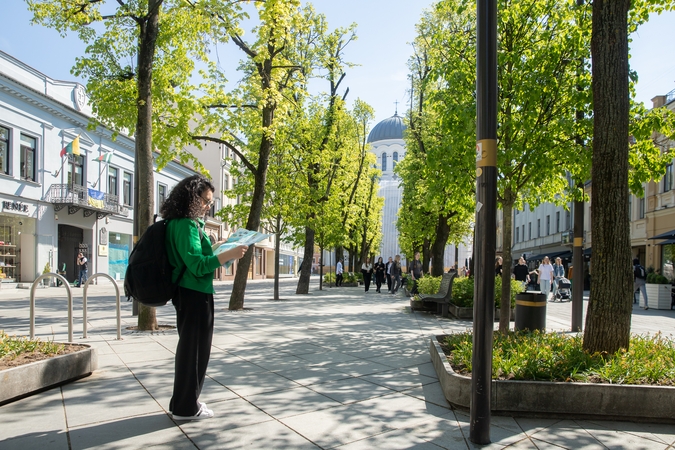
(486, 218)
(578, 234)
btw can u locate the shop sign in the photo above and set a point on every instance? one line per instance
(102, 250)
(14, 206)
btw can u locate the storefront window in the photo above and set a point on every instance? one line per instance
(11, 228)
(286, 264)
(258, 261)
(118, 254)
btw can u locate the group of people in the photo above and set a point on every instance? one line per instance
(390, 271)
(548, 275)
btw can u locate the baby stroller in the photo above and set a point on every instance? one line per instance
(563, 292)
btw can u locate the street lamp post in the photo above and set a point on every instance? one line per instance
(486, 218)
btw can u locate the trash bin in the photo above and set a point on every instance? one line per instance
(531, 311)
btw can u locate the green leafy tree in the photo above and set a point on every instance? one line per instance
(138, 66)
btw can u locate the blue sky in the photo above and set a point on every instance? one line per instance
(385, 27)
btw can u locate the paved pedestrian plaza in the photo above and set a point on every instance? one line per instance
(338, 368)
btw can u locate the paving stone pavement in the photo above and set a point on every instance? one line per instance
(338, 368)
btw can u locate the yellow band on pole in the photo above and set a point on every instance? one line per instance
(486, 153)
(526, 303)
(578, 242)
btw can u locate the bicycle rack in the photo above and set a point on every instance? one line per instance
(70, 303)
(84, 304)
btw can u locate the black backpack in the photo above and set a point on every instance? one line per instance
(639, 272)
(148, 276)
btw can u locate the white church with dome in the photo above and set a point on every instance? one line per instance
(387, 144)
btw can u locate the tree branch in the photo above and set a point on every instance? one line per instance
(234, 149)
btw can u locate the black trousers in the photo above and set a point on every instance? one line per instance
(366, 280)
(388, 281)
(338, 279)
(194, 318)
(378, 281)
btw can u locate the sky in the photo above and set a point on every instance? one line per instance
(385, 30)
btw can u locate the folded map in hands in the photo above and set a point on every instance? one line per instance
(240, 237)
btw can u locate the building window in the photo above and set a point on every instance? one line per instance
(161, 195)
(28, 145)
(641, 207)
(75, 170)
(395, 158)
(529, 230)
(126, 189)
(668, 178)
(548, 225)
(384, 162)
(523, 232)
(568, 220)
(226, 182)
(112, 180)
(538, 227)
(4, 150)
(557, 222)
(517, 234)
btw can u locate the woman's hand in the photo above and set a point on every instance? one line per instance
(233, 253)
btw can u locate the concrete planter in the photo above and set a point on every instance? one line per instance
(557, 399)
(29, 379)
(460, 312)
(658, 296)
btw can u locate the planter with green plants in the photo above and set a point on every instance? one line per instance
(528, 367)
(659, 290)
(425, 285)
(28, 366)
(350, 280)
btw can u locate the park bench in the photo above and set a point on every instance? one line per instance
(439, 301)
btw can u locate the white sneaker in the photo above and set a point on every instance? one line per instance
(203, 413)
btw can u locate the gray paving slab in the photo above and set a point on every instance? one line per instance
(352, 372)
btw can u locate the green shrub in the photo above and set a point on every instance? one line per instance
(516, 288)
(657, 278)
(330, 277)
(428, 285)
(359, 276)
(349, 278)
(462, 291)
(559, 357)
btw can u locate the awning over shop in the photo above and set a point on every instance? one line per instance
(667, 235)
(552, 256)
(667, 242)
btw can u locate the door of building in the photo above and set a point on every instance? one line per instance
(69, 243)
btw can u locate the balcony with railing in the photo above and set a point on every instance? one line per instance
(90, 201)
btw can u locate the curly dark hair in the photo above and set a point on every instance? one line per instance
(184, 200)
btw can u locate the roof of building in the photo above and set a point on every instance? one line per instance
(391, 128)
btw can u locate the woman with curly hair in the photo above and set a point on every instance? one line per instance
(189, 247)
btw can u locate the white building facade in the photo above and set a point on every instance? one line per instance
(54, 205)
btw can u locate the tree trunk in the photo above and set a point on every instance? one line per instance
(426, 255)
(610, 306)
(438, 248)
(277, 254)
(144, 205)
(253, 222)
(303, 281)
(321, 267)
(507, 259)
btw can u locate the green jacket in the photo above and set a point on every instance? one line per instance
(186, 246)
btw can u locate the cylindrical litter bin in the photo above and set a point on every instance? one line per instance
(531, 311)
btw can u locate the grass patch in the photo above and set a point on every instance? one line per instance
(11, 346)
(538, 356)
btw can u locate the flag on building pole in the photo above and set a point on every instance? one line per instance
(105, 157)
(73, 148)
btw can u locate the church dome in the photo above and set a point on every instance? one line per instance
(391, 128)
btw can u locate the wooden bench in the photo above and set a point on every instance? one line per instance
(439, 301)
